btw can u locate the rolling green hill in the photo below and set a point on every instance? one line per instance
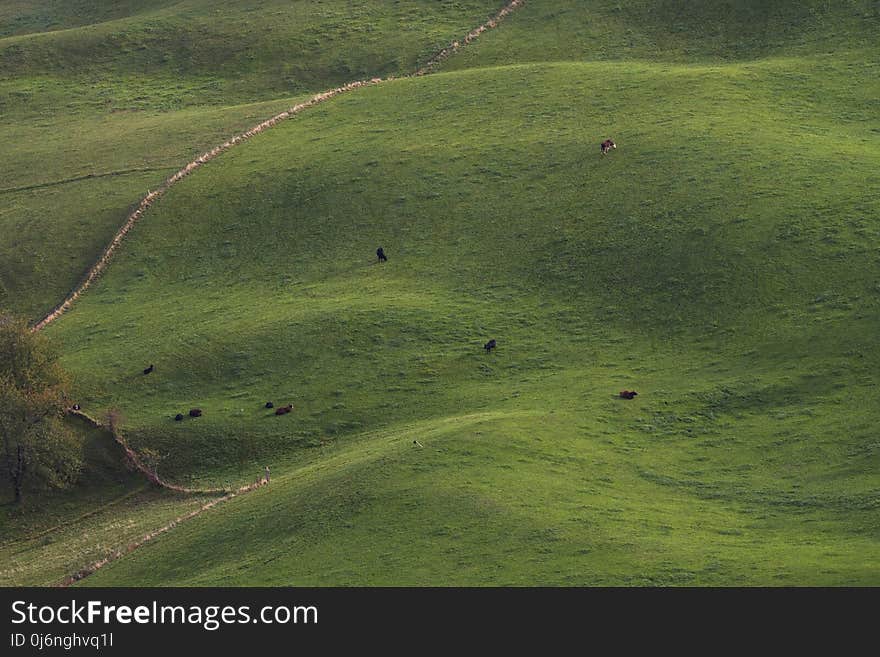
(100, 102)
(673, 31)
(722, 261)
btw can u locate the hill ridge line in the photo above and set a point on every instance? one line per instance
(152, 196)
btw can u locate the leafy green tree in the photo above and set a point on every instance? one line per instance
(37, 448)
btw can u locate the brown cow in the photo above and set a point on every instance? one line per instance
(284, 410)
(606, 146)
(628, 394)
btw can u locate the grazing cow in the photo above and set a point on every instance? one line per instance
(195, 412)
(148, 370)
(380, 253)
(284, 410)
(178, 417)
(76, 407)
(489, 346)
(270, 405)
(606, 146)
(628, 394)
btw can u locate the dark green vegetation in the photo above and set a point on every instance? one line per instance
(36, 448)
(723, 261)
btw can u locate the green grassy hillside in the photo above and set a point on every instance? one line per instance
(722, 261)
(701, 266)
(514, 498)
(682, 32)
(18, 17)
(100, 102)
(169, 55)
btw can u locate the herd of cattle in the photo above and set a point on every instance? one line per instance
(604, 148)
(197, 412)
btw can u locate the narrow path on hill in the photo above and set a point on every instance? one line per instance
(98, 267)
(95, 270)
(87, 176)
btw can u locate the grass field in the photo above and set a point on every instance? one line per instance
(723, 261)
(100, 102)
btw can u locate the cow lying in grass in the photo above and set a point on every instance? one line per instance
(628, 394)
(284, 410)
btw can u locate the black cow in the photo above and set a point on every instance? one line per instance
(270, 405)
(148, 370)
(195, 412)
(178, 417)
(489, 346)
(380, 253)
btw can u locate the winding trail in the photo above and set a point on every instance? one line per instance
(96, 269)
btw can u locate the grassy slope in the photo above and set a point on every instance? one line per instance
(719, 262)
(18, 17)
(95, 114)
(516, 498)
(674, 31)
(54, 535)
(70, 182)
(88, 89)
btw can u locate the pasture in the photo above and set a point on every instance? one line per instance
(722, 261)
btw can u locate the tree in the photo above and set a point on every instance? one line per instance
(37, 446)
